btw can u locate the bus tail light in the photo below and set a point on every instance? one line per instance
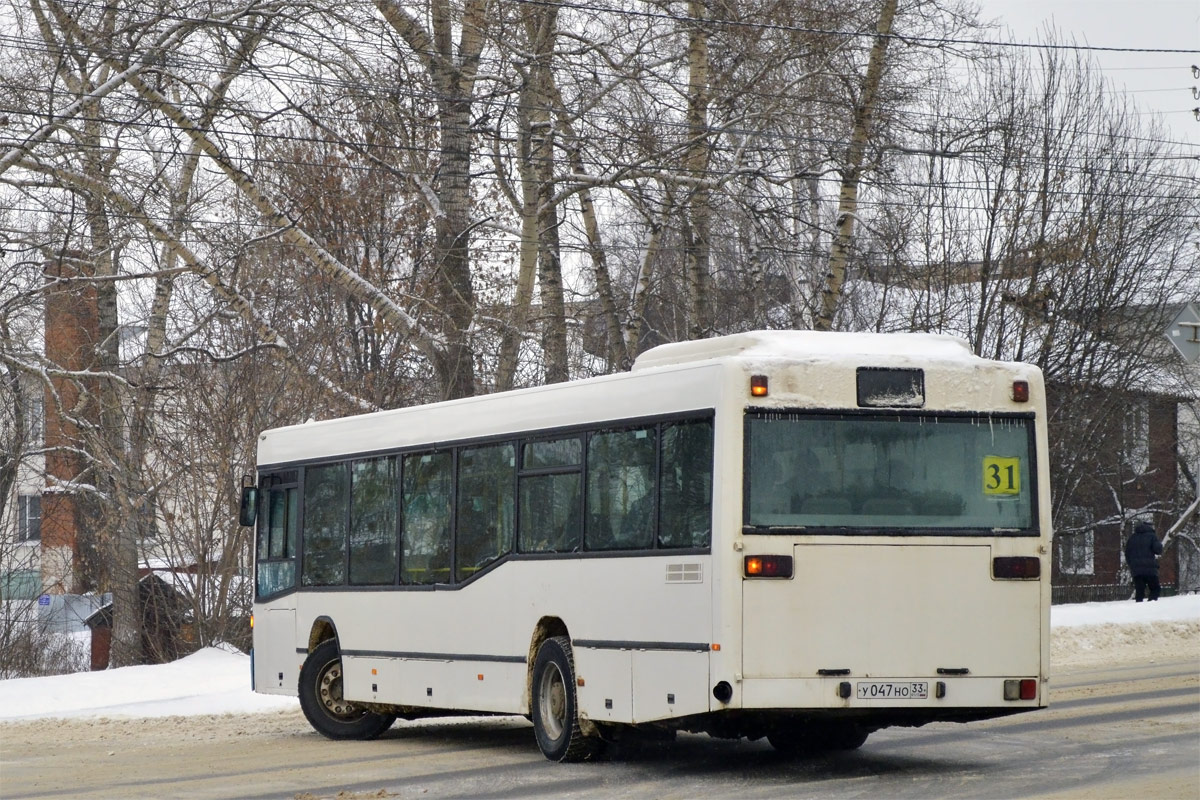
(768, 566)
(1024, 689)
(1019, 568)
(1020, 391)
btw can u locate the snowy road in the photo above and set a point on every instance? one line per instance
(1117, 731)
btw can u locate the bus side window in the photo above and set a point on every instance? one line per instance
(550, 519)
(325, 504)
(428, 483)
(484, 518)
(621, 489)
(373, 521)
(687, 458)
(550, 514)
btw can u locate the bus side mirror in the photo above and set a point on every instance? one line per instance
(248, 509)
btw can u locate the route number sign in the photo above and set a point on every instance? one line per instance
(1001, 475)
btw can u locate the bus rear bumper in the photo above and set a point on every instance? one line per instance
(891, 694)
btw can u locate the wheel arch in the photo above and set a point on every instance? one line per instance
(322, 630)
(546, 628)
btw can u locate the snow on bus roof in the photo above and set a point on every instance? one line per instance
(810, 345)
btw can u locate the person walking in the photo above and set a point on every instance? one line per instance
(1141, 554)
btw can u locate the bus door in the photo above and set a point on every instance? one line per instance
(275, 662)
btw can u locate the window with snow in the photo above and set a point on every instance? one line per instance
(1076, 543)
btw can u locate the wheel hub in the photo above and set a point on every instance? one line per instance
(329, 690)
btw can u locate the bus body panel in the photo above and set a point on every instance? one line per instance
(276, 664)
(627, 613)
(884, 610)
(606, 691)
(435, 682)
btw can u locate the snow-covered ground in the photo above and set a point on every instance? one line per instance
(214, 681)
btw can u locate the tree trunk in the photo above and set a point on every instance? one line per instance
(696, 169)
(839, 250)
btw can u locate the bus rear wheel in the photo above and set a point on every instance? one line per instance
(798, 739)
(555, 711)
(846, 736)
(330, 714)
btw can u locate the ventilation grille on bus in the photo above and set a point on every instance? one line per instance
(685, 573)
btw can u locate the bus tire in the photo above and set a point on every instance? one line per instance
(554, 709)
(793, 740)
(321, 699)
(846, 736)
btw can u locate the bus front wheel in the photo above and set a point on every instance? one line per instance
(326, 709)
(555, 711)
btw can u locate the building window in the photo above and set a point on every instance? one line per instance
(35, 419)
(21, 584)
(1076, 542)
(29, 518)
(1136, 435)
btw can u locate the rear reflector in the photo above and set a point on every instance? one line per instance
(1016, 568)
(1024, 689)
(768, 566)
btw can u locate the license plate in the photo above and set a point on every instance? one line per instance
(893, 690)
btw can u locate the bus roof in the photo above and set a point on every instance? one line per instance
(811, 346)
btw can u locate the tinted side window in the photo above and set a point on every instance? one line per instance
(621, 489)
(373, 521)
(550, 514)
(325, 505)
(687, 459)
(552, 453)
(428, 496)
(484, 519)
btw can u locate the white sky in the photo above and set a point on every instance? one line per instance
(1158, 82)
(215, 681)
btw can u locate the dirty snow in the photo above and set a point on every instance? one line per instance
(216, 681)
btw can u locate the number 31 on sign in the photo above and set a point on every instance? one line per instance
(1001, 475)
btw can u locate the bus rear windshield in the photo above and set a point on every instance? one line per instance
(911, 473)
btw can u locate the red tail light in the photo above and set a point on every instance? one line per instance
(1018, 568)
(1024, 689)
(768, 566)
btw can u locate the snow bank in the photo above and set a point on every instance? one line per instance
(215, 681)
(210, 681)
(1124, 612)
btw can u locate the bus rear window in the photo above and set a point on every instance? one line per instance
(887, 472)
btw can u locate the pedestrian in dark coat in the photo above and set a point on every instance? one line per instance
(1141, 554)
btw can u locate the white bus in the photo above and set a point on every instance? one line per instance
(798, 535)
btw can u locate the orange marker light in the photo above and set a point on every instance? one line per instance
(758, 385)
(767, 566)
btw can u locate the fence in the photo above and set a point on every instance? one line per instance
(1099, 592)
